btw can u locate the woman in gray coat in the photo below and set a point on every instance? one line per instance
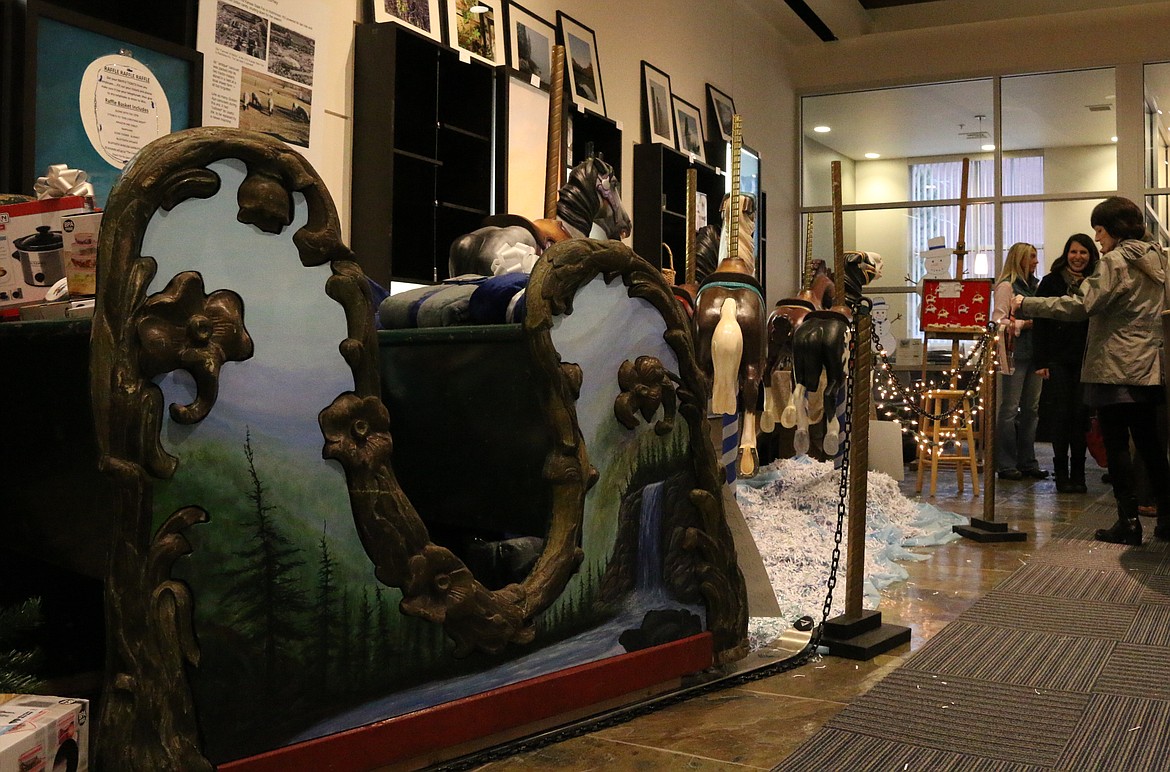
(1122, 369)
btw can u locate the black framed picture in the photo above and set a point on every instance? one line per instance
(530, 44)
(422, 16)
(688, 124)
(583, 64)
(658, 111)
(721, 107)
(476, 27)
(116, 91)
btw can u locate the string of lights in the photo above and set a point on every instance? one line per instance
(907, 404)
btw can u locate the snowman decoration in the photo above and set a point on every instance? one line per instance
(881, 326)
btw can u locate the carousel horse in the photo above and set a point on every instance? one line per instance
(729, 339)
(589, 197)
(816, 295)
(820, 347)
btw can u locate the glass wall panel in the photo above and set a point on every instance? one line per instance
(877, 135)
(1157, 208)
(1157, 86)
(1046, 226)
(1074, 154)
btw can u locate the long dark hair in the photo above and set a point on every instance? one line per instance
(1085, 241)
(1120, 217)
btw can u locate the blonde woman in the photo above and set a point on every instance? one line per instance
(1019, 390)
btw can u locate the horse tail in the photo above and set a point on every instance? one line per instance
(726, 355)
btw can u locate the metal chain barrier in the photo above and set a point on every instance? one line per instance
(912, 398)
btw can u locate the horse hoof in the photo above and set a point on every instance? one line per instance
(749, 462)
(767, 423)
(800, 442)
(831, 444)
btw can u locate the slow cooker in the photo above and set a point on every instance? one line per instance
(41, 256)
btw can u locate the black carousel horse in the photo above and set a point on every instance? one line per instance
(820, 347)
(590, 196)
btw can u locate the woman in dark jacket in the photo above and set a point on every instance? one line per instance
(1058, 348)
(1122, 371)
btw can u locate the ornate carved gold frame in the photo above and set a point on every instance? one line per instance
(148, 717)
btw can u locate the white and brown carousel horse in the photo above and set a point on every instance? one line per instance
(729, 333)
(590, 196)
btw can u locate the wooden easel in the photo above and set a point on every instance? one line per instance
(939, 400)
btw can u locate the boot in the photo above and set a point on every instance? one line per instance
(1060, 471)
(1076, 476)
(1127, 529)
(1162, 529)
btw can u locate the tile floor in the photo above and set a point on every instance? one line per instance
(755, 725)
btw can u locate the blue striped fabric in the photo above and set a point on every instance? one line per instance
(730, 449)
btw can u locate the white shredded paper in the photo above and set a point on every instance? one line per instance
(791, 510)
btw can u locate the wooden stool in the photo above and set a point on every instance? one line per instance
(938, 431)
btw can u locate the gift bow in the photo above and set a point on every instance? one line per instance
(60, 180)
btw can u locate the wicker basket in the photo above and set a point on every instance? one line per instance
(668, 268)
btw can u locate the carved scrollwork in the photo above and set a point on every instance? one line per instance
(645, 386)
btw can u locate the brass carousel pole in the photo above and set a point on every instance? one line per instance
(555, 168)
(857, 634)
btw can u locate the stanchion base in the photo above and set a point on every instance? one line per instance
(988, 531)
(862, 636)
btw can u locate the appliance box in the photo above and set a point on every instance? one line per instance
(43, 733)
(909, 352)
(80, 235)
(32, 255)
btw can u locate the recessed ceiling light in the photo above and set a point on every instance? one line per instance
(873, 155)
(821, 129)
(988, 148)
(1113, 139)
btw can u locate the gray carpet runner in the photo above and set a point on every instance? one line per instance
(1063, 666)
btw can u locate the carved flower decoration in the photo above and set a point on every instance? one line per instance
(357, 432)
(646, 386)
(264, 202)
(181, 328)
(439, 584)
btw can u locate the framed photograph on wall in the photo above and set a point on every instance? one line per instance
(584, 67)
(476, 27)
(658, 119)
(116, 91)
(688, 124)
(420, 15)
(721, 108)
(530, 44)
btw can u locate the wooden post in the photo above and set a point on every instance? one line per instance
(858, 464)
(838, 239)
(857, 633)
(555, 166)
(987, 367)
(986, 529)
